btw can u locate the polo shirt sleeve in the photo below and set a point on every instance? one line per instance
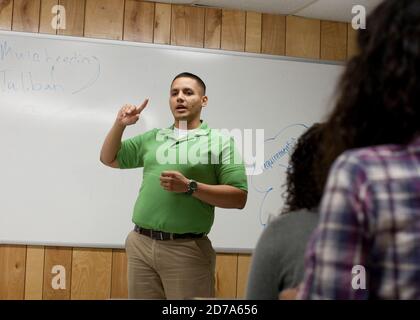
(131, 153)
(231, 169)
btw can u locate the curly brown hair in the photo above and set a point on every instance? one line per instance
(379, 93)
(302, 188)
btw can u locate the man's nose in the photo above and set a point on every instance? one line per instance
(180, 97)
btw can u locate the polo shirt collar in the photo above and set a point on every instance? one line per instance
(203, 130)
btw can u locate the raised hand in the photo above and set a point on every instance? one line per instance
(130, 114)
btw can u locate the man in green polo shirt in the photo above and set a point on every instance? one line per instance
(188, 170)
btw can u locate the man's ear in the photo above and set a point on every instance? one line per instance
(204, 100)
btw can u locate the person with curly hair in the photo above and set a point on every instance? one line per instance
(277, 261)
(367, 243)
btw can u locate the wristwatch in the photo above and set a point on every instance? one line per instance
(192, 186)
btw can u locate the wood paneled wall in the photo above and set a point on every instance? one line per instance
(25, 271)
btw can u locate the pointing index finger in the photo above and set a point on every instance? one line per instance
(141, 107)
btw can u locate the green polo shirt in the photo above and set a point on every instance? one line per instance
(205, 155)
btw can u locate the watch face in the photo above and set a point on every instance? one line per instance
(193, 185)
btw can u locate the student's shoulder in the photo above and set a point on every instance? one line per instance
(294, 220)
(284, 235)
(374, 154)
(371, 161)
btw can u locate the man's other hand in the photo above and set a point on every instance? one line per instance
(174, 181)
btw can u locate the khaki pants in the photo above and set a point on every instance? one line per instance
(169, 269)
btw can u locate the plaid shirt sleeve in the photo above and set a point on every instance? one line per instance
(342, 238)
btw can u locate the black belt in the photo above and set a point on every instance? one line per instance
(160, 235)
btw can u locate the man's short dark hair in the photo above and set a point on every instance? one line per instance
(192, 76)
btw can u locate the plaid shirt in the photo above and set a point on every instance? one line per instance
(369, 217)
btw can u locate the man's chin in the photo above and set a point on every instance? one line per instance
(181, 117)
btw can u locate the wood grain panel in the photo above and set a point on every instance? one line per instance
(34, 276)
(303, 37)
(6, 12)
(233, 30)
(226, 275)
(253, 32)
(213, 28)
(187, 26)
(47, 16)
(91, 274)
(352, 46)
(244, 262)
(162, 27)
(104, 19)
(75, 17)
(273, 34)
(139, 21)
(12, 272)
(333, 40)
(119, 289)
(26, 15)
(57, 256)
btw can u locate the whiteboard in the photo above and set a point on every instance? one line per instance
(59, 98)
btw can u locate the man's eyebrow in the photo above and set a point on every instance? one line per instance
(184, 88)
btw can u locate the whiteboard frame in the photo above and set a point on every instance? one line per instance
(171, 47)
(154, 46)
